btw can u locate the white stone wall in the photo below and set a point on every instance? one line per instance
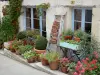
(68, 17)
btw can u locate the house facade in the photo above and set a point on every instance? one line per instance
(84, 14)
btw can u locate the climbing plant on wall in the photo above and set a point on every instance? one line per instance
(43, 6)
(15, 11)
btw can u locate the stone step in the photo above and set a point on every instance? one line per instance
(36, 65)
(55, 72)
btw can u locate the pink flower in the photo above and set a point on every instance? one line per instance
(87, 59)
(83, 70)
(75, 73)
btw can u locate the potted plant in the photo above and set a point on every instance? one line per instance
(78, 35)
(71, 67)
(22, 49)
(63, 62)
(68, 34)
(40, 45)
(53, 59)
(30, 56)
(15, 45)
(21, 35)
(44, 59)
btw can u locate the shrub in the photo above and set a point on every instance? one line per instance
(25, 48)
(79, 33)
(69, 32)
(41, 43)
(16, 44)
(29, 54)
(21, 35)
(6, 29)
(32, 33)
(52, 56)
(1, 41)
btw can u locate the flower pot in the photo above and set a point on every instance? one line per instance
(77, 39)
(38, 58)
(39, 51)
(54, 65)
(64, 69)
(68, 37)
(31, 60)
(44, 61)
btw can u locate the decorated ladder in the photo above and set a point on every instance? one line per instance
(56, 30)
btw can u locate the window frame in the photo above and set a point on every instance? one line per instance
(32, 20)
(82, 18)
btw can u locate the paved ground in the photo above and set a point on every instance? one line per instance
(11, 67)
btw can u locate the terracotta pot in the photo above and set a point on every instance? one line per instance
(31, 60)
(44, 61)
(68, 37)
(54, 65)
(64, 69)
(39, 51)
(77, 39)
(38, 59)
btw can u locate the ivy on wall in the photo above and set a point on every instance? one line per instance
(15, 11)
(43, 6)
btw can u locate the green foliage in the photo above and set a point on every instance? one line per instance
(41, 43)
(79, 33)
(45, 55)
(16, 44)
(71, 66)
(53, 56)
(29, 54)
(6, 29)
(5, 10)
(1, 41)
(88, 46)
(21, 35)
(72, 42)
(32, 33)
(69, 32)
(25, 48)
(15, 11)
(43, 6)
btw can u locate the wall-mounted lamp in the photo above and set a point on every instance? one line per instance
(72, 1)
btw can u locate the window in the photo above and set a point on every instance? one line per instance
(34, 21)
(82, 19)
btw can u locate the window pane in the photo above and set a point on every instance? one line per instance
(43, 25)
(36, 24)
(28, 23)
(88, 27)
(35, 13)
(44, 15)
(77, 25)
(77, 14)
(44, 33)
(28, 12)
(88, 15)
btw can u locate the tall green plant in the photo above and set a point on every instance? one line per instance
(6, 29)
(88, 46)
(15, 11)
